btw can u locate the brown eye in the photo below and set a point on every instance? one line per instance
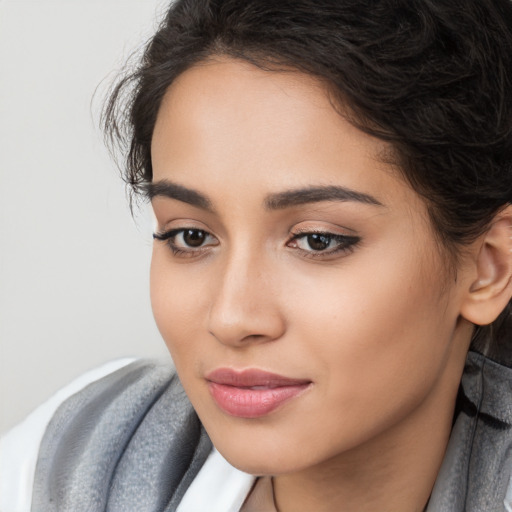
(187, 241)
(323, 245)
(318, 241)
(194, 237)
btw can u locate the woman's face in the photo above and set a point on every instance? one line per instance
(297, 281)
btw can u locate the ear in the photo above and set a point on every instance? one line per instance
(491, 283)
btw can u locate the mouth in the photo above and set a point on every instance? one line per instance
(252, 393)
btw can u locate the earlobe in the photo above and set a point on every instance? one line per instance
(491, 288)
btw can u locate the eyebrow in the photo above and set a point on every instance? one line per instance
(279, 201)
(307, 195)
(174, 191)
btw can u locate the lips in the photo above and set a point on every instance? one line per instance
(252, 393)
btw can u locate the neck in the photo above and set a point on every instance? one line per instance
(392, 472)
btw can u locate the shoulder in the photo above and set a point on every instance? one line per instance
(131, 437)
(19, 447)
(476, 474)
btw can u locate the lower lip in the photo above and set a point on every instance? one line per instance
(252, 403)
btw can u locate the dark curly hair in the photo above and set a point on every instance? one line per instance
(432, 77)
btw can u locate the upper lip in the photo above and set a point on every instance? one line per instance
(252, 377)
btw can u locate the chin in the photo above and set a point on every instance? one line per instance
(259, 465)
(262, 456)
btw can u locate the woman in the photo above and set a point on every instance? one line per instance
(332, 266)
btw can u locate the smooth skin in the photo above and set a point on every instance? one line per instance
(350, 291)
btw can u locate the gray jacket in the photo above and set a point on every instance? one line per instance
(132, 441)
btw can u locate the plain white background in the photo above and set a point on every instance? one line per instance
(73, 264)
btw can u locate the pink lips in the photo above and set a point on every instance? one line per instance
(252, 393)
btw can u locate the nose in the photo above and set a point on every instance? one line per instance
(245, 308)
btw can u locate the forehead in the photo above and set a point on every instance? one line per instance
(229, 120)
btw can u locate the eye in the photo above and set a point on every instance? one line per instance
(322, 244)
(187, 241)
(316, 241)
(191, 237)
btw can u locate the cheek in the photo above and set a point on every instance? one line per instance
(372, 325)
(177, 301)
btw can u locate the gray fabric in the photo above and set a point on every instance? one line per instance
(476, 470)
(132, 442)
(127, 442)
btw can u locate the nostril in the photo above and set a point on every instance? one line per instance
(244, 333)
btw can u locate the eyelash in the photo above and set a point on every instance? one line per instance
(169, 238)
(344, 243)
